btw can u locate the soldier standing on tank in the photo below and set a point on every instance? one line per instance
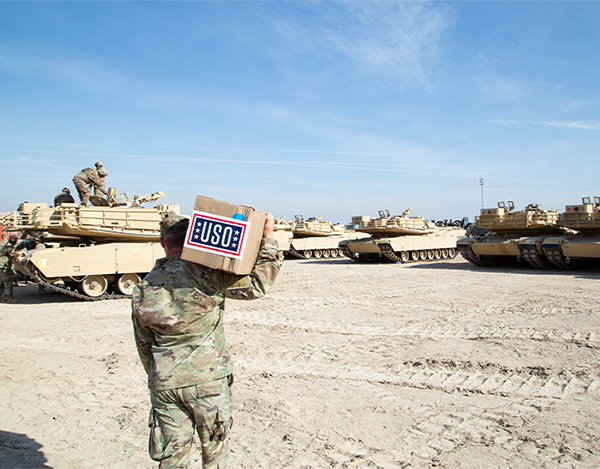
(101, 187)
(64, 197)
(90, 177)
(177, 314)
(7, 256)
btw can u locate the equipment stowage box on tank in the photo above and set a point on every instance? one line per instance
(401, 238)
(86, 251)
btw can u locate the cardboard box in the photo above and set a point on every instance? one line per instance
(223, 236)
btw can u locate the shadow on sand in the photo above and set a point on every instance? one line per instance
(20, 451)
(29, 294)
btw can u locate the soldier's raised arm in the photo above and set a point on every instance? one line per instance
(265, 271)
(97, 178)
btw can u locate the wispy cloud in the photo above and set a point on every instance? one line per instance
(562, 124)
(329, 159)
(381, 37)
(571, 125)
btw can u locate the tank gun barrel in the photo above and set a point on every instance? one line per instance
(141, 199)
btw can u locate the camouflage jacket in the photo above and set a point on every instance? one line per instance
(177, 314)
(7, 255)
(91, 176)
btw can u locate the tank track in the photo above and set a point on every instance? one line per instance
(388, 251)
(73, 293)
(362, 259)
(468, 253)
(556, 257)
(295, 253)
(535, 258)
(347, 252)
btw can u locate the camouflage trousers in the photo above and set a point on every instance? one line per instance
(83, 189)
(177, 413)
(6, 282)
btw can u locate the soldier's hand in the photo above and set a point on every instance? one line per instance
(269, 224)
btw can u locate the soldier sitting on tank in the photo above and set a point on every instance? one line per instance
(64, 197)
(87, 178)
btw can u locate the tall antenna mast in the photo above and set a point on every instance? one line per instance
(481, 185)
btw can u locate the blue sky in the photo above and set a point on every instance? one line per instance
(328, 109)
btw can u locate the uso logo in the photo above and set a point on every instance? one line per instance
(217, 235)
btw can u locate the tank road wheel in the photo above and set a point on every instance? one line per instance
(307, 254)
(444, 253)
(318, 254)
(125, 283)
(437, 254)
(430, 254)
(326, 253)
(452, 253)
(422, 255)
(335, 253)
(414, 255)
(404, 256)
(93, 285)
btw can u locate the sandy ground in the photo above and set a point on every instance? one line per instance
(343, 365)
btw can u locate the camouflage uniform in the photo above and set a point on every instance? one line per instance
(87, 177)
(7, 255)
(177, 313)
(64, 197)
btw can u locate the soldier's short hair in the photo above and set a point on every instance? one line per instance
(174, 240)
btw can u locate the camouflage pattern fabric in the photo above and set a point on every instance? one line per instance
(63, 198)
(6, 283)
(176, 413)
(101, 187)
(177, 315)
(7, 255)
(84, 179)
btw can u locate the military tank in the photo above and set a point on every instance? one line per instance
(312, 238)
(580, 245)
(401, 238)
(91, 253)
(512, 236)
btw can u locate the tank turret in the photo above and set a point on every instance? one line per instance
(314, 226)
(387, 225)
